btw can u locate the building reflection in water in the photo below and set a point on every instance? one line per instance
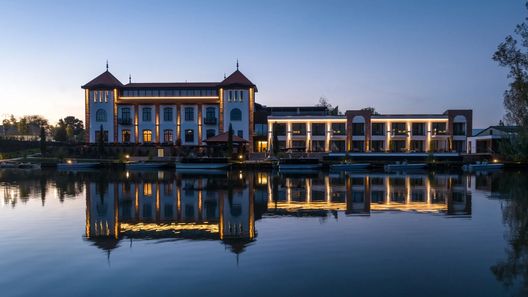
(225, 207)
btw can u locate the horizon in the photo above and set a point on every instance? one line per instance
(294, 52)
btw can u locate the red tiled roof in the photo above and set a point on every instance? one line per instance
(221, 138)
(105, 80)
(237, 79)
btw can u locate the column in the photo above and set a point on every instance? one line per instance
(136, 123)
(288, 135)
(308, 136)
(328, 129)
(199, 124)
(178, 124)
(157, 119)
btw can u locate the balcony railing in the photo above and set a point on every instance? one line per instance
(210, 121)
(124, 121)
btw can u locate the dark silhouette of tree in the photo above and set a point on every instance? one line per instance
(100, 141)
(42, 141)
(513, 188)
(512, 54)
(370, 109)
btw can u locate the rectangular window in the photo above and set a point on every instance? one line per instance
(318, 146)
(399, 129)
(125, 113)
(167, 136)
(241, 96)
(397, 145)
(318, 129)
(240, 133)
(298, 129)
(459, 146)
(299, 144)
(439, 129)
(337, 145)
(358, 129)
(125, 136)
(210, 133)
(261, 129)
(418, 128)
(358, 146)
(459, 128)
(147, 114)
(377, 146)
(236, 95)
(189, 114)
(189, 135)
(98, 135)
(280, 129)
(339, 128)
(417, 145)
(167, 114)
(230, 97)
(378, 129)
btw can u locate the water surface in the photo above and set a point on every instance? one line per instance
(262, 234)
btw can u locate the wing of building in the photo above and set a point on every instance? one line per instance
(180, 113)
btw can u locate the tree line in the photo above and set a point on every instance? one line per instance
(67, 129)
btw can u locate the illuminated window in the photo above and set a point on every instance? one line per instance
(147, 189)
(298, 129)
(93, 94)
(235, 115)
(338, 128)
(147, 136)
(106, 96)
(125, 136)
(100, 115)
(439, 128)
(399, 129)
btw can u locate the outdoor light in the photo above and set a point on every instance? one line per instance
(240, 157)
(69, 161)
(127, 156)
(495, 160)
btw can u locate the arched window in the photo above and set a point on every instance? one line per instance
(167, 136)
(236, 115)
(100, 115)
(147, 136)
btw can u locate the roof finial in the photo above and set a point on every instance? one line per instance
(106, 64)
(129, 78)
(237, 63)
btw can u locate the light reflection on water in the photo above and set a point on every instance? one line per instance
(336, 229)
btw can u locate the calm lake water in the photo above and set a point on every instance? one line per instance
(153, 233)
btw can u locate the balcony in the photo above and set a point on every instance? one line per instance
(210, 121)
(124, 121)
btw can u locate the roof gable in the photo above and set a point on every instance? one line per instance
(237, 79)
(104, 80)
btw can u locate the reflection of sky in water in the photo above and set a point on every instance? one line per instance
(228, 236)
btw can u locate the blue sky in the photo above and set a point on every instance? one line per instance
(404, 56)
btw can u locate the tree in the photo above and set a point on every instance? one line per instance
(323, 102)
(42, 140)
(515, 57)
(512, 54)
(59, 134)
(230, 142)
(74, 128)
(370, 109)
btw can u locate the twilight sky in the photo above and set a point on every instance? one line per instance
(421, 56)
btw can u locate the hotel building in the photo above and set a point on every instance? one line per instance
(181, 113)
(188, 113)
(364, 131)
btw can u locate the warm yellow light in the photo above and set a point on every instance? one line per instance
(495, 160)
(127, 156)
(69, 161)
(240, 157)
